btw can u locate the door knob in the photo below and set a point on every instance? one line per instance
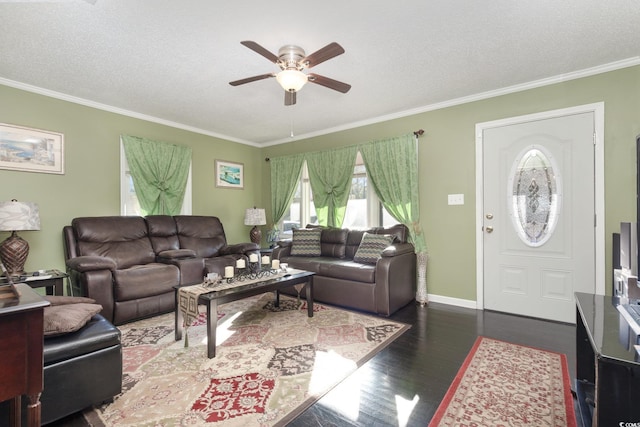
(489, 216)
(489, 229)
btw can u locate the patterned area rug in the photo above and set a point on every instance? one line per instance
(271, 364)
(503, 384)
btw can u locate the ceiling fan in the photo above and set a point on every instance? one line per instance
(292, 60)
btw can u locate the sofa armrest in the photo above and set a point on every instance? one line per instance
(397, 249)
(395, 281)
(282, 249)
(176, 254)
(240, 248)
(191, 268)
(91, 263)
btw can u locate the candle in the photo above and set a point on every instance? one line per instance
(228, 271)
(265, 259)
(240, 263)
(275, 264)
(253, 258)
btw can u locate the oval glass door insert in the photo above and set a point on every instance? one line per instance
(535, 194)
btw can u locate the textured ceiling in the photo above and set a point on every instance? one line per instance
(171, 61)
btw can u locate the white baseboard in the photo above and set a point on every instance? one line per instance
(453, 301)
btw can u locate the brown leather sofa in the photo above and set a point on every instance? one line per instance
(130, 264)
(381, 288)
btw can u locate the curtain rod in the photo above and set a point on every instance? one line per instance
(417, 134)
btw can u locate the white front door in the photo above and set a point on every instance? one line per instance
(538, 225)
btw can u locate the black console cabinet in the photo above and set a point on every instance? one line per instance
(607, 363)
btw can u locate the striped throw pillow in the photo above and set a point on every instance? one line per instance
(306, 242)
(371, 247)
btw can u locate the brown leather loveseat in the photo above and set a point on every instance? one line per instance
(379, 281)
(130, 264)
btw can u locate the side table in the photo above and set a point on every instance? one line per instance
(21, 346)
(53, 280)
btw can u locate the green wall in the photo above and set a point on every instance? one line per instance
(90, 185)
(447, 164)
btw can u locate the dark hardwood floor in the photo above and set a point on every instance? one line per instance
(404, 384)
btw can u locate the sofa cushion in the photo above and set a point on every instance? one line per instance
(333, 242)
(306, 242)
(124, 239)
(65, 318)
(162, 233)
(203, 234)
(142, 281)
(348, 270)
(371, 247)
(399, 232)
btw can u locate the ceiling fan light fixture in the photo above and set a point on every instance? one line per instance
(291, 80)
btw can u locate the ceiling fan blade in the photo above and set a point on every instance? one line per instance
(251, 79)
(289, 98)
(327, 82)
(260, 50)
(329, 51)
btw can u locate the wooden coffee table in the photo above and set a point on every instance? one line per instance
(215, 297)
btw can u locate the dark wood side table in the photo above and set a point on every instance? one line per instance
(21, 342)
(53, 280)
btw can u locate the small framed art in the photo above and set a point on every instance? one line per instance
(31, 150)
(229, 174)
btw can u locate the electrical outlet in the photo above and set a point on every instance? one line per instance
(456, 199)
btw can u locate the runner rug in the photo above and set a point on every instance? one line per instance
(503, 384)
(270, 365)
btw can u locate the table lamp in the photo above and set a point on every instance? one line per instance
(17, 216)
(255, 217)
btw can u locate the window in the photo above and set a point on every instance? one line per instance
(535, 192)
(364, 209)
(129, 201)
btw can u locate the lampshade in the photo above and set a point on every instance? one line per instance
(291, 80)
(17, 216)
(255, 216)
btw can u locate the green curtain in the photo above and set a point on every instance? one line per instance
(160, 172)
(285, 175)
(330, 174)
(392, 169)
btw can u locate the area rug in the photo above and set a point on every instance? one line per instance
(504, 384)
(271, 364)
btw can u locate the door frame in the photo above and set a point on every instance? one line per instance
(598, 110)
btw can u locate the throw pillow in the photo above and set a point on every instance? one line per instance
(306, 242)
(62, 319)
(371, 247)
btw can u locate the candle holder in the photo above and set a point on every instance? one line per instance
(254, 270)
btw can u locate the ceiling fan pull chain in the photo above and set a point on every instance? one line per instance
(291, 123)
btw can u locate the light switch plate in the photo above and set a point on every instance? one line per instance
(456, 199)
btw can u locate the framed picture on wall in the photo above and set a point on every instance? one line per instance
(31, 150)
(229, 174)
